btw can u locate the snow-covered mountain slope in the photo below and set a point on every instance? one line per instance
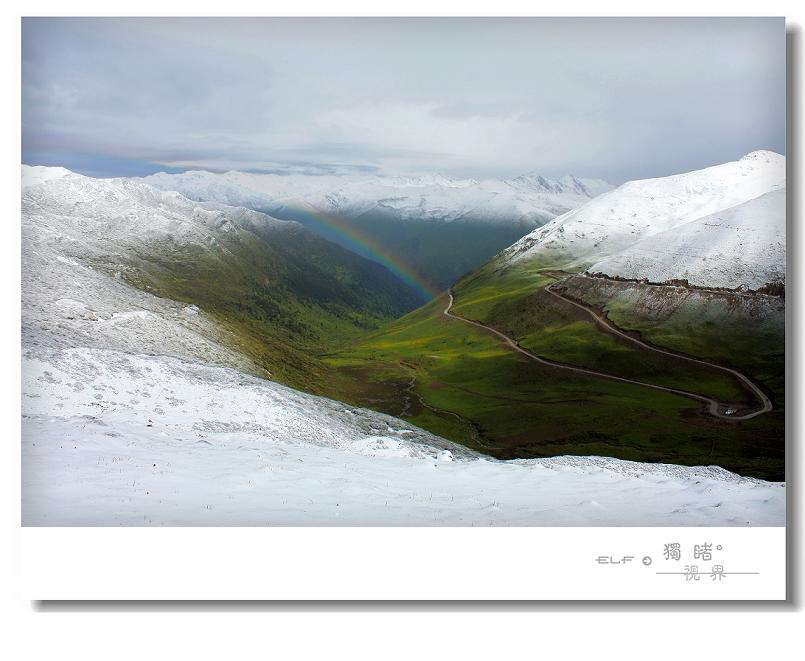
(136, 411)
(36, 174)
(617, 220)
(68, 223)
(744, 244)
(114, 438)
(532, 199)
(227, 260)
(103, 213)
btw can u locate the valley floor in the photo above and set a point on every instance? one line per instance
(112, 438)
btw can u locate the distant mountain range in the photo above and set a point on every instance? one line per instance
(691, 226)
(436, 227)
(530, 198)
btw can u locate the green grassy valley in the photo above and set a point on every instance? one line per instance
(286, 296)
(465, 384)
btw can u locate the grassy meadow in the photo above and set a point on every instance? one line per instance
(463, 383)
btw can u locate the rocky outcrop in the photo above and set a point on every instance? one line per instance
(776, 288)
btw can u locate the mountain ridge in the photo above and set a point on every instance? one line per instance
(282, 292)
(433, 196)
(596, 234)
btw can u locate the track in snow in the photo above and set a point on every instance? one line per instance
(713, 406)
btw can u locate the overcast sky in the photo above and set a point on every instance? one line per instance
(613, 98)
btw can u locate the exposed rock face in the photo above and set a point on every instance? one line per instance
(660, 303)
(775, 288)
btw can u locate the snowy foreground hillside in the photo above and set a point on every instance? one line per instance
(116, 438)
(723, 226)
(136, 413)
(529, 198)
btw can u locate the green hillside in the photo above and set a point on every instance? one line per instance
(465, 384)
(285, 293)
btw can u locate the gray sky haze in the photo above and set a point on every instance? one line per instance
(612, 98)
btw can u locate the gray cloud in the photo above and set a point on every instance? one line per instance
(616, 98)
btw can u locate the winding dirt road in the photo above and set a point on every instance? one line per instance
(714, 407)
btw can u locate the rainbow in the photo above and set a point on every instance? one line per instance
(359, 242)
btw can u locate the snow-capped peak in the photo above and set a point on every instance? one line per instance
(764, 155)
(568, 184)
(37, 174)
(425, 180)
(613, 222)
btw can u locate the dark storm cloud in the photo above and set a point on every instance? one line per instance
(616, 98)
